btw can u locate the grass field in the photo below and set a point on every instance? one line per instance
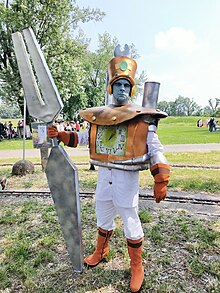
(180, 252)
(183, 130)
(172, 130)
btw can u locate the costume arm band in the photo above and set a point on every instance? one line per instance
(160, 172)
(69, 138)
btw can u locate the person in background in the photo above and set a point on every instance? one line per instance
(199, 123)
(77, 126)
(60, 126)
(211, 124)
(1, 130)
(68, 127)
(207, 123)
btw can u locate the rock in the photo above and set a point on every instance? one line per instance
(22, 167)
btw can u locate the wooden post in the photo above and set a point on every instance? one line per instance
(44, 157)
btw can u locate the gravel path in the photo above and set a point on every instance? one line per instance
(34, 153)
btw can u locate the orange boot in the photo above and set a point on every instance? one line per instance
(101, 248)
(137, 270)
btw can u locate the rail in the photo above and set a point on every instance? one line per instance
(169, 198)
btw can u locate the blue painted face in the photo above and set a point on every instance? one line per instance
(121, 91)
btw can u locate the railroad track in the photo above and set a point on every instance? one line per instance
(169, 198)
(196, 166)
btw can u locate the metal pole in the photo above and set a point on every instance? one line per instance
(6, 3)
(24, 128)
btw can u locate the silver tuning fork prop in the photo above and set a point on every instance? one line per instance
(44, 103)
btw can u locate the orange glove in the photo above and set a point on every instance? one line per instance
(69, 138)
(52, 131)
(161, 174)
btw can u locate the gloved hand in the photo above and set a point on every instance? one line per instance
(52, 131)
(161, 174)
(63, 136)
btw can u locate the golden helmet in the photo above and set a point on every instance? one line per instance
(121, 67)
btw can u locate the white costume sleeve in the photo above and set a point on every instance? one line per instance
(83, 138)
(154, 145)
(155, 149)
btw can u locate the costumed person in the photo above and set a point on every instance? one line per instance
(122, 141)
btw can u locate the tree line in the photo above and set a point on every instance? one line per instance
(183, 106)
(79, 74)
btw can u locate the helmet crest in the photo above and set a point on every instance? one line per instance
(122, 66)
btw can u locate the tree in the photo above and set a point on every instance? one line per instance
(95, 68)
(214, 103)
(180, 107)
(54, 24)
(164, 106)
(9, 110)
(207, 111)
(217, 113)
(191, 106)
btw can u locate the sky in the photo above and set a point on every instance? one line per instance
(178, 42)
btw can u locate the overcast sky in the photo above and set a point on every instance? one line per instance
(178, 41)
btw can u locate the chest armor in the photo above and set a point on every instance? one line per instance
(123, 141)
(118, 135)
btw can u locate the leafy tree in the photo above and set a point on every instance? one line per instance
(80, 75)
(207, 111)
(54, 23)
(198, 111)
(191, 106)
(9, 110)
(217, 113)
(214, 103)
(164, 106)
(180, 107)
(96, 68)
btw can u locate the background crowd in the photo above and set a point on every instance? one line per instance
(9, 131)
(211, 124)
(71, 126)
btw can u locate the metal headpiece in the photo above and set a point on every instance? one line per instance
(122, 66)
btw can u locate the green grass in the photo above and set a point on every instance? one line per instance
(179, 253)
(187, 179)
(172, 130)
(192, 158)
(181, 179)
(183, 130)
(34, 257)
(15, 144)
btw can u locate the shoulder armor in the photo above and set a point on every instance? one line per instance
(112, 115)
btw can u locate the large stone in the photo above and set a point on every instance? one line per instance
(23, 167)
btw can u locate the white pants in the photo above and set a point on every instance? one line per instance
(106, 212)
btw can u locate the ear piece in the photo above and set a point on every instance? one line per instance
(132, 91)
(109, 89)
